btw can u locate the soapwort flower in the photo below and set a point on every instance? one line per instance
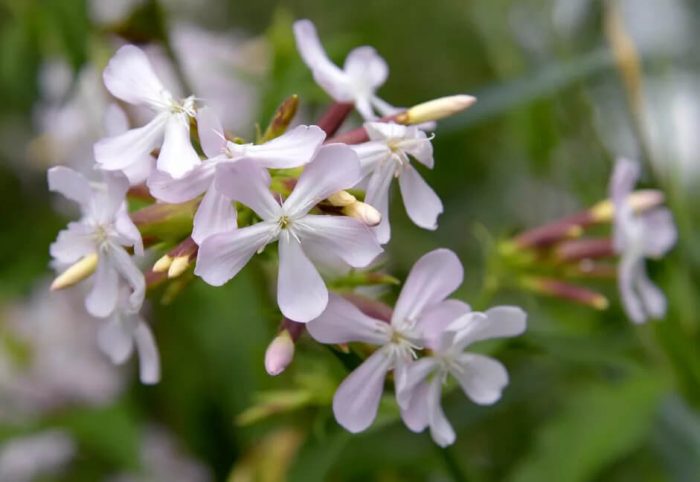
(362, 74)
(130, 77)
(482, 378)
(387, 156)
(216, 213)
(301, 292)
(637, 236)
(97, 242)
(421, 304)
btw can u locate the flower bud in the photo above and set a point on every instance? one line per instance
(363, 212)
(567, 291)
(76, 273)
(341, 199)
(163, 264)
(640, 201)
(282, 118)
(178, 266)
(279, 353)
(436, 109)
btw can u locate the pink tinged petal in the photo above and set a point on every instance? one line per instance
(628, 271)
(128, 230)
(433, 277)
(378, 197)
(134, 146)
(482, 378)
(106, 204)
(414, 413)
(660, 232)
(366, 68)
(223, 255)
(149, 360)
(335, 167)
(138, 172)
(248, 183)
(125, 266)
(115, 120)
(215, 214)
(651, 297)
(343, 236)
(436, 318)
(292, 149)
(625, 176)
(356, 401)
(328, 75)
(73, 243)
(211, 132)
(440, 429)
(167, 189)
(115, 339)
(498, 322)
(130, 77)
(71, 184)
(422, 204)
(301, 292)
(102, 299)
(371, 154)
(343, 322)
(177, 156)
(416, 372)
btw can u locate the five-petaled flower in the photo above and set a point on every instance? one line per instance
(638, 236)
(387, 156)
(357, 82)
(130, 77)
(301, 292)
(104, 230)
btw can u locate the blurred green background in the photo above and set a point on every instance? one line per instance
(592, 397)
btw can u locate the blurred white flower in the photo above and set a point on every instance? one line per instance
(23, 459)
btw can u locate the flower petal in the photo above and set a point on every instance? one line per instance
(223, 255)
(130, 77)
(211, 132)
(177, 156)
(434, 319)
(215, 214)
(134, 146)
(335, 167)
(125, 266)
(377, 196)
(415, 373)
(102, 299)
(660, 232)
(371, 154)
(650, 295)
(128, 230)
(149, 361)
(422, 204)
(440, 429)
(415, 411)
(421, 149)
(247, 182)
(294, 148)
(343, 236)
(482, 378)
(301, 292)
(73, 243)
(499, 322)
(71, 184)
(629, 268)
(624, 178)
(343, 322)
(115, 339)
(433, 277)
(356, 401)
(170, 190)
(366, 68)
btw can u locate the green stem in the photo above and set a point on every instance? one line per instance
(452, 465)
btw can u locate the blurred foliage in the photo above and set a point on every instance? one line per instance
(592, 398)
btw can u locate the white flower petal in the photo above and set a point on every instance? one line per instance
(248, 183)
(422, 204)
(624, 178)
(71, 184)
(343, 236)
(415, 411)
(366, 68)
(134, 146)
(334, 168)
(660, 232)
(103, 297)
(125, 266)
(73, 243)
(433, 277)
(222, 256)
(499, 322)
(130, 77)
(301, 292)
(415, 373)
(294, 148)
(115, 120)
(356, 401)
(128, 230)
(651, 297)
(343, 322)
(434, 319)
(628, 270)
(440, 429)
(482, 378)
(215, 214)
(149, 361)
(177, 156)
(211, 132)
(371, 154)
(421, 151)
(377, 196)
(167, 189)
(115, 339)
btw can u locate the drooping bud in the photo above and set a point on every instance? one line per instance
(163, 263)
(363, 212)
(182, 255)
(585, 249)
(549, 234)
(279, 353)
(282, 118)
(334, 117)
(436, 109)
(341, 199)
(76, 273)
(640, 201)
(566, 291)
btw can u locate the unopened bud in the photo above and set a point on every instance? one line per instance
(640, 201)
(178, 266)
(163, 264)
(567, 291)
(341, 199)
(363, 212)
(436, 109)
(279, 353)
(76, 273)
(282, 118)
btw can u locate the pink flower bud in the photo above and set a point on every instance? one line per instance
(279, 353)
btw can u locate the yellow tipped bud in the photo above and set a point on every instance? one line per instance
(341, 199)
(363, 212)
(436, 109)
(76, 273)
(163, 264)
(600, 302)
(640, 201)
(178, 266)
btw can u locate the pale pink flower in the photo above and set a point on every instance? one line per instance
(216, 213)
(363, 73)
(638, 236)
(386, 157)
(421, 304)
(130, 77)
(104, 229)
(301, 292)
